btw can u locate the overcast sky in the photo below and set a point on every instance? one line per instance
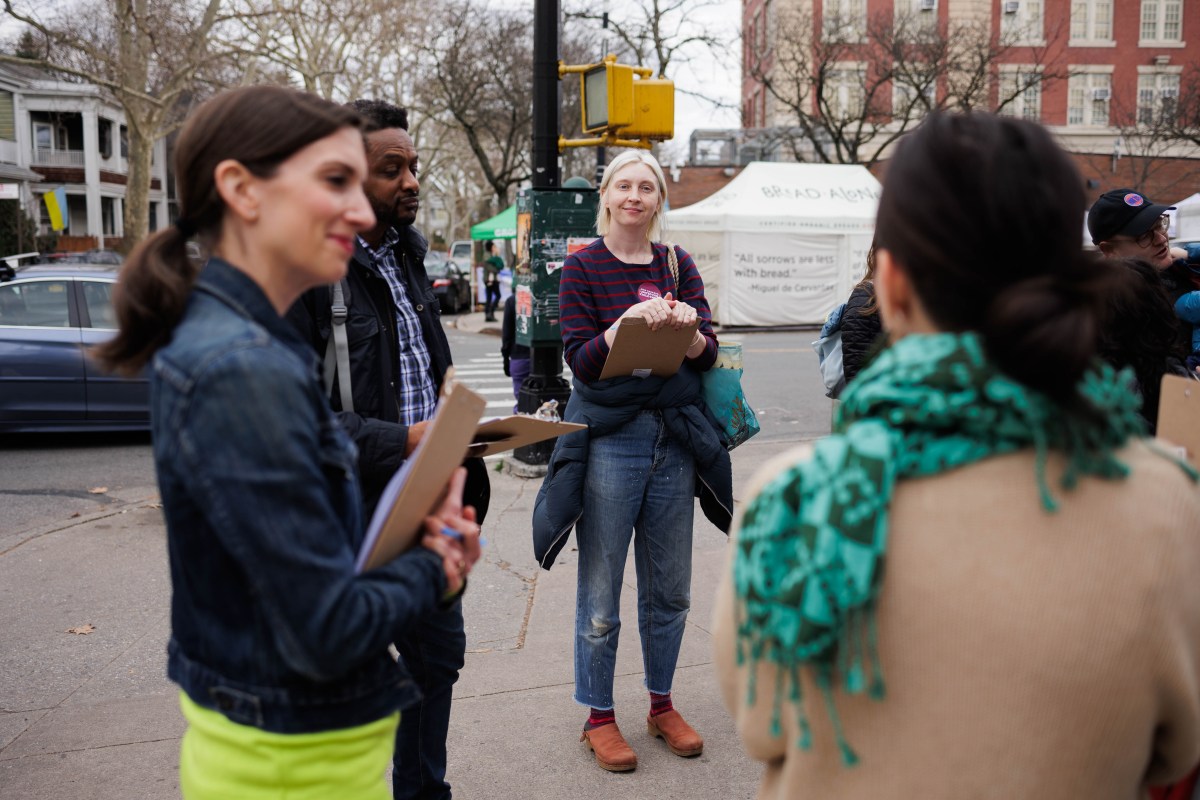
(715, 79)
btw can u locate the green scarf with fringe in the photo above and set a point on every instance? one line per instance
(811, 550)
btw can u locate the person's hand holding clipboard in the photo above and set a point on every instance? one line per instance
(652, 338)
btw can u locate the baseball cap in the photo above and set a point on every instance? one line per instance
(1122, 212)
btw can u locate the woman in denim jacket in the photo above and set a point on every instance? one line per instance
(279, 647)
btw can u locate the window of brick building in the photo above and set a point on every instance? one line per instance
(1091, 21)
(1162, 21)
(1157, 95)
(1021, 22)
(1088, 97)
(844, 20)
(1020, 93)
(843, 91)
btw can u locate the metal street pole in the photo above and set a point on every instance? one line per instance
(545, 381)
(546, 15)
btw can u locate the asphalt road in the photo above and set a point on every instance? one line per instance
(50, 478)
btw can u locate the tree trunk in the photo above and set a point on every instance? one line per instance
(137, 190)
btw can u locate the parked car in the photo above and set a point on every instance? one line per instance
(50, 314)
(96, 257)
(450, 282)
(460, 251)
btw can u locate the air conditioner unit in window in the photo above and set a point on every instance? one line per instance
(1101, 94)
(1012, 6)
(927, 5)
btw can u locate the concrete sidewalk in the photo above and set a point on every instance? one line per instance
(474, 322)
(93, 716)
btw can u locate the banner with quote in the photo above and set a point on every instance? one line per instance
(782, 243)
(781, 279)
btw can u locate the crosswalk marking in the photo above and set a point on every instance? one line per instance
(485, 375)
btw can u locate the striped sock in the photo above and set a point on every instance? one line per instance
(660, 704)
(600, 716)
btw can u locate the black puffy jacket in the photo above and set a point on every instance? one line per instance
(859, 330)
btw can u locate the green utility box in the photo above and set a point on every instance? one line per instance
(551, 224)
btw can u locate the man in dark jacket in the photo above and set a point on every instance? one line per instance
(398, 357)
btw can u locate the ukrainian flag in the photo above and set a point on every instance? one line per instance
(56, 205)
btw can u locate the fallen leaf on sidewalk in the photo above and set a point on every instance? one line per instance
(73, 516)
(82, 630)
(98, 490)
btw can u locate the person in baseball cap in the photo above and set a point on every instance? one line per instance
(1125, 224)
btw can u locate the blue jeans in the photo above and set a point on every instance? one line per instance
(639, 481)
(519, 370)
(433, 650)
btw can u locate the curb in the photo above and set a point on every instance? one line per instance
(120, 507)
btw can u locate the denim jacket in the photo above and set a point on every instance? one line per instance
(270, 625)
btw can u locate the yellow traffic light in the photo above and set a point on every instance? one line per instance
(653, 111)
(625, 111)
(607, 96)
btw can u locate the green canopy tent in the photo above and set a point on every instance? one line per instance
(501, 226)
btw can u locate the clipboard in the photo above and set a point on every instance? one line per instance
(636, 350)
(1179, 415)
(417, 487)
(509, 433)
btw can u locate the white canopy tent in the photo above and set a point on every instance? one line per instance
(1185, 219)
(782, 243)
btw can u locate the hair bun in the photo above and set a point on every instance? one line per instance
(1043, 332)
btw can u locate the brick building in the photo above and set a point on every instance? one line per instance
(1096, 72)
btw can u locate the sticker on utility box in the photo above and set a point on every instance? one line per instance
(553, 266)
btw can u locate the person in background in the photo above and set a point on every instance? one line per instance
(1124, 223)
(278, 645)
(983, 584)
(398, 360)
(650, 448)
(1140, 332)
(516, 356)
(492, 266)
(860, 322)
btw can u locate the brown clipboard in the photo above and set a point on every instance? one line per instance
(518, 430)
(1179, 415)
(637, 350)
(417, 487)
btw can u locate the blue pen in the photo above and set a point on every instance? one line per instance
(455, 535)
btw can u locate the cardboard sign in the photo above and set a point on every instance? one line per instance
(1179, 415)
(417, 487)
(637, 350)
(519, 430)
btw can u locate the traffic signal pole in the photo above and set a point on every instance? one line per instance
(546, 15)
(545, 381)
(623, 106)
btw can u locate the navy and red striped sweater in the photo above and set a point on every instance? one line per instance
(596, 288)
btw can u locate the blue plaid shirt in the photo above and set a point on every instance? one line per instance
(414, 387)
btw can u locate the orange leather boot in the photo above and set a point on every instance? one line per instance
(679, 736)
(613, 753)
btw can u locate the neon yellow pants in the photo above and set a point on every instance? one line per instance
(221, 759)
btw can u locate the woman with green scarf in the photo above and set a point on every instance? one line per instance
(986, 582)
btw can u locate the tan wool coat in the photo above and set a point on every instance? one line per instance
(1026, 654)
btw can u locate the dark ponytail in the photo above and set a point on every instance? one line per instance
(258, 126)
(985, 216)
(149, 300)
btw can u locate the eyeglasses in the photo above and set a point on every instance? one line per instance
(1147, 238)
